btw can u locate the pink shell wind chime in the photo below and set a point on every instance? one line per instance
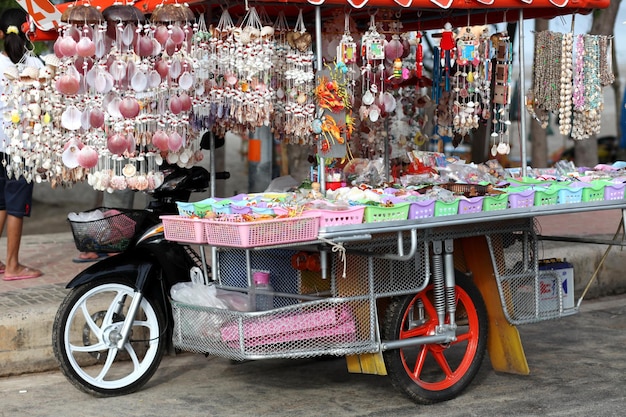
(65, 150)
(124, 81)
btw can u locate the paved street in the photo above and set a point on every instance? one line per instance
(578, 368)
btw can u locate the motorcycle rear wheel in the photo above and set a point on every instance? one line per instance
(436, 372)
(85, 332)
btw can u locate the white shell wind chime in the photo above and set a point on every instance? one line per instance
(233, 90)
(118, 104)
(299, 84)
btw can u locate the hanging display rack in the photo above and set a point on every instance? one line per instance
(152, 82)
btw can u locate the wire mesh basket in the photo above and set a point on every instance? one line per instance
(327, 326)
(111, 233)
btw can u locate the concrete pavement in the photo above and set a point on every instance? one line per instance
(577, 369)
(27, 307)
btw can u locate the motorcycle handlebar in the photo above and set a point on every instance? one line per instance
(224, 175)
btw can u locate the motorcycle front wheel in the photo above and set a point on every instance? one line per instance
(85, 334)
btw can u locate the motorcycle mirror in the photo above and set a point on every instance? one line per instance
(205, 142)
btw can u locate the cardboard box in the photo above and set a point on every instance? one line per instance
(547, 285)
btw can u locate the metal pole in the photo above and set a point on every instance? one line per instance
(522, 86)
(212, 164)
(321, 177)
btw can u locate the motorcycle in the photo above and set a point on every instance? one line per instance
(113, 327)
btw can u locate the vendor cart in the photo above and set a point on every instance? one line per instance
(420, 298)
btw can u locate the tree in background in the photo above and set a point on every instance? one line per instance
(603, 24)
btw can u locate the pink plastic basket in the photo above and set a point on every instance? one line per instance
(184, 229)
(422, 209)
(329, 218)
(261, 233)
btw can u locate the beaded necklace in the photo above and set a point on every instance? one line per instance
(565, 109)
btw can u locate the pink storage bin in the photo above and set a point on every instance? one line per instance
(183, 229)
(267, 330)
(262, 232)
(338, 217)
(422, 209)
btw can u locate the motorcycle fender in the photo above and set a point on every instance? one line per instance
(123, 264)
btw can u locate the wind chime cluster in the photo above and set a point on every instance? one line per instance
(569, 73)
(471, 84)
(116, 103)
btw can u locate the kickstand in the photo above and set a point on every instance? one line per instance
(620, 229)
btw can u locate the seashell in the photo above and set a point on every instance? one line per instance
(71, 118)
(172, 158)
(244, 37)
(374, 113)
(394, 49)
(52, 60)
(186, 80)
(389, 102)
(70, 154)
(368, 98)
(35, 109)
(267, 31)
(87, 157)
(45, 73)
(85, 47)
(129, 170)
(11, 73)
(30, 72)
(303, 42)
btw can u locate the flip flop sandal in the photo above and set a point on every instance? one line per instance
(26, 273)
(80, 260)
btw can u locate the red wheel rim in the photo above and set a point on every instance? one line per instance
(443, 373)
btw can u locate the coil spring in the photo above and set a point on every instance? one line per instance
(438, 285)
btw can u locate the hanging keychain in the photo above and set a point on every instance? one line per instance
(347, 49)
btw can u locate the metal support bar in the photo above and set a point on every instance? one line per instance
(324, 263)
(400, 256)
(450, 281)
(205, 269)
(575, 239)
(415, 341)
(620, 229)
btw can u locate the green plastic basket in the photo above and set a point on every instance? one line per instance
(495, 202)
(546, 196)
(443, 208)
(529, 181)
(399, 211)
(595, 192)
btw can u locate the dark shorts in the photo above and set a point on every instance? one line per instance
(16, 195)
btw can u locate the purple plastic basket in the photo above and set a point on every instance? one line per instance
(524, 198)
(422, 209)
(470, 205)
